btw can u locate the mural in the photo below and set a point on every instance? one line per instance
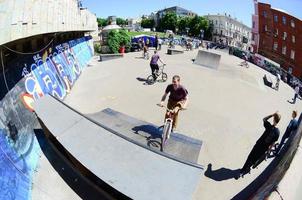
(24, 79)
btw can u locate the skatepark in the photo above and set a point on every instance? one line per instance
(226, 107)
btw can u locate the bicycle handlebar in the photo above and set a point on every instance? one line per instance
(163, 106)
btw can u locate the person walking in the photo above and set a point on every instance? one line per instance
(297, 88)
(292, 126)
(264, 143)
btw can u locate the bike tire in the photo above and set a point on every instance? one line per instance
(150, 80)
(166, 132)
(164, 77)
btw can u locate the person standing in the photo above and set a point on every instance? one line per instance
(264, 143)
(278, 78)
(156, 41)
(297, 88)
(292, 126)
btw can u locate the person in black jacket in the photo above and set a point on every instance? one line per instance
(264, 143)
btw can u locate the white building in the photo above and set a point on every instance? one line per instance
(230, 31)
(26, 18)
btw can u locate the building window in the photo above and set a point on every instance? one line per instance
(221, 32)
(275, 46)
(265, 14)
(292, 54)
(284, 35)
(292, 22)
(284, 50)
(253, 24)
(265, 27)
(216, 22)
(276, 18)
(284, 20)
(293, 39)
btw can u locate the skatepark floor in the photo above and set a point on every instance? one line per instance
(225, 111)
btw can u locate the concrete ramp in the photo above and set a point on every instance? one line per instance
(125, 165)
(179, 146)
(207, 59)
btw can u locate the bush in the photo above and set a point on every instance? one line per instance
(116, 39)
(97, 48)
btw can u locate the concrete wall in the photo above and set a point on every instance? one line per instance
(25, 79)
(25, 18)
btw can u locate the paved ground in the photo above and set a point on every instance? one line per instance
(225, 110)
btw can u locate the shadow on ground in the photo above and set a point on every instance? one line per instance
(221, 174)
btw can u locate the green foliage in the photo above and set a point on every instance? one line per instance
(102, 22)
(116, 39)
(121, 21)
(147, 23)
(125, 39)
(97, 48)
(208, 34)
(183, 23)
(197, 23)
(168, 22)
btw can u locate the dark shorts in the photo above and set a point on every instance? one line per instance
(154, 66)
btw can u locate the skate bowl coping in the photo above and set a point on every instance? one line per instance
(207, 59)
(121, 163)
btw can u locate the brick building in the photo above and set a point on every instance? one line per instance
(278, 36)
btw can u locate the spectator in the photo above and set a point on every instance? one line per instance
(263, 144)
(297, 89)
(292, 126)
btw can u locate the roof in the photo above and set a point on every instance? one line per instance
(111, 27)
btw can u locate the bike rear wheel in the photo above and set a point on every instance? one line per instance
(166, 132)
(150, 80)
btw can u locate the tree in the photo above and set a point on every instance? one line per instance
(116, 39)
(121, 21)
(168, 22)
(183, 23)
(208, 34)
(198, 23)
(147, 23)
(102, 22)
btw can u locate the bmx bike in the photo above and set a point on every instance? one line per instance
(158, 73)
(167, 127)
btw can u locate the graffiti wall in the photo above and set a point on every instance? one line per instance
(24, 79)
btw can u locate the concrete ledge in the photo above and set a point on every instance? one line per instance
(174, 51)
(104, 57)
(207, 59)
(267, 81)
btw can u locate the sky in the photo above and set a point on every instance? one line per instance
(241, 9)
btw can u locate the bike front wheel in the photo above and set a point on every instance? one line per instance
(166, 132)
(150, 80)
(164, 77)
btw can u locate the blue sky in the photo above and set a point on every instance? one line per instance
(134, 8)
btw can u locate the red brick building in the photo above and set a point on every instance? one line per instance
(278, 36)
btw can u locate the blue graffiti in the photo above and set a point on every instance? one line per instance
(59, 71)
